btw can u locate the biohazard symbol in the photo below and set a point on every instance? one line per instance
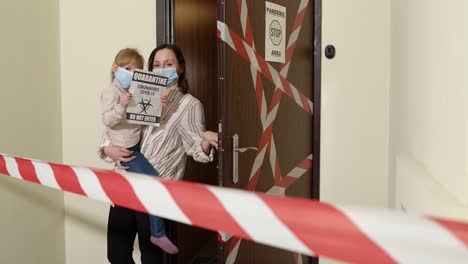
(145, 104)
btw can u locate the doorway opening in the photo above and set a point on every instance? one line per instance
(227, 84)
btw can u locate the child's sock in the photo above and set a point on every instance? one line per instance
(165, 244)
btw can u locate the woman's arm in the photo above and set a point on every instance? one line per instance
(110, 153)
(105, 141)
(196, 141)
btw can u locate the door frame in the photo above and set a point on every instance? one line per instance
(317, 9)
(164, 21)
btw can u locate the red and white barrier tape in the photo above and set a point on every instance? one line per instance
(299, 225)
(248, 53)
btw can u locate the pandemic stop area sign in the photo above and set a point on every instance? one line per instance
(275, 32)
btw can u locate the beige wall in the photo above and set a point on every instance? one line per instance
(429, 99)
(92, 32)
(355, 98)
(32, 218)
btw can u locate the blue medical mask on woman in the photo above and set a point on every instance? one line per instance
(124, 77)
(170, 73)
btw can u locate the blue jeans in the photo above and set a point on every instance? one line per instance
(141, 165)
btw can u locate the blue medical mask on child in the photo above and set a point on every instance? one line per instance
(170, 73)
(124, 77)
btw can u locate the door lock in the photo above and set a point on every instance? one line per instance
(235, 157)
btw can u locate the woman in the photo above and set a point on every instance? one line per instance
(181, 133)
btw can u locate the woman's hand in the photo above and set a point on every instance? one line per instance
(119, 154)
(209, 139)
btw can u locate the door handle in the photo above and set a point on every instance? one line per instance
(235, 157)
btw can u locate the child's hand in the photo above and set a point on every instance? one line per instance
(125, 99)
(164, 100)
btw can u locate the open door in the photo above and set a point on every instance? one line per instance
(266, 110)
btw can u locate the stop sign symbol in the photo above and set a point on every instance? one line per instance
(276, 33)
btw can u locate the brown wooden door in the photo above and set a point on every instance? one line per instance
(268, 105)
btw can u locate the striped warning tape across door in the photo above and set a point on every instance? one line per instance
(304, 226)
(267, 113)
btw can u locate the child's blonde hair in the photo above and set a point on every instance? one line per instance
(129, 56)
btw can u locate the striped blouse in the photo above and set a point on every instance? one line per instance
(166, 147)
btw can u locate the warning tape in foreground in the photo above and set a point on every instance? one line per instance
(309, 227)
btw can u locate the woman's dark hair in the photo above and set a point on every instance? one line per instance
(183, 83)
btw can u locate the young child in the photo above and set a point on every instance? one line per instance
(114, 102)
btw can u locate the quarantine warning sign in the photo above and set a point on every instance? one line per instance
(145, 107)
